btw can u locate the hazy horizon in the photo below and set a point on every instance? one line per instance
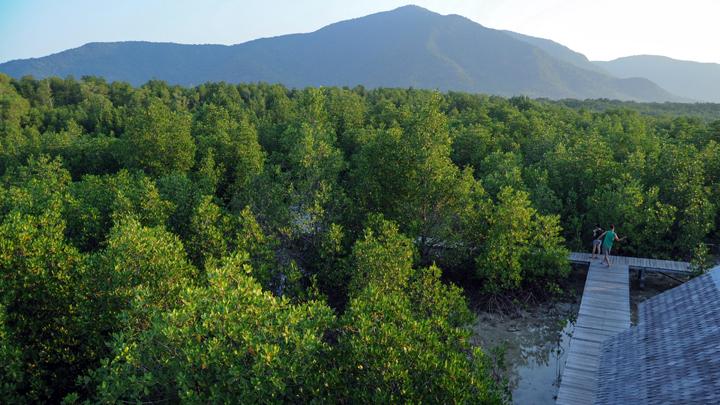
(29, 28)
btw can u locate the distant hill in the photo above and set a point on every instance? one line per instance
(559, 51)
(694, 80)
(406, 47)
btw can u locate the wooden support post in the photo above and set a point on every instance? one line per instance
(641, 278)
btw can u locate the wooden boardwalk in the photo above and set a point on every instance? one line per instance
(604, 312)
(636, 263)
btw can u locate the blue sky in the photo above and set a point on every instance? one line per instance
(601, 30)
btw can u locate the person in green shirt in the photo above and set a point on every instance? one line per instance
(608, 238)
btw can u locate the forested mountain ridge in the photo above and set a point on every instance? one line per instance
(171, 244)
(693, 80)
(559, 51)
(406, 47)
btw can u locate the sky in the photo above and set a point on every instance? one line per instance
(600, 29)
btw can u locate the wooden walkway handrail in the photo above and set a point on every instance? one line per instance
(637, 263)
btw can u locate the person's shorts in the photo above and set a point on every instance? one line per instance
(606, 250)
(597, 242)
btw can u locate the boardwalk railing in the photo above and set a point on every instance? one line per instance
(636, 263)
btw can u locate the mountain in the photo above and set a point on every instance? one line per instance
(406, 47)
(559, 51)
(694, 80)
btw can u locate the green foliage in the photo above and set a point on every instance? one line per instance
(705, 111)
(40, 186)
(393, 355)
(43, 336)
(311, 164)
(158, 140)
(522, 245)
(233, 144)
(406, 174)
(250, 241)
(471, 146)
(11, 365)
(13, 107)
(402, 337)
(701, 260)
(334, 270)
(263, 250)
(270, 351)
(215, 235)
(98, 200)
(147, 261)
(183, 193)
(382, 258)
(208, 233)
(639, 212)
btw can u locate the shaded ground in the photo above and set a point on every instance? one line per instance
(535, 340)
(655, 283)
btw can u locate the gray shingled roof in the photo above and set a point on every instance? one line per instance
(672, 356)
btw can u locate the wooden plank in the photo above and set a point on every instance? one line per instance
(587, 333)
(582, 383)
(609, 303)
(603, 274)
(603, 305)
(608, 282)
(596, 315)
(582, 323)
(592, 299)
(589, 318)
(603, 287)
(584, 366)
(606, 317)
(605, 294)
(581, 392)
(572, 395)
(584, 347)
(612, 325)
(588, 361)
(584, 387)
(638, 263)
(599, 295)
(583, 360)
(577, 377)
(604, 312)
(574, 389)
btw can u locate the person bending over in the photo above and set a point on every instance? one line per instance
(597, 241)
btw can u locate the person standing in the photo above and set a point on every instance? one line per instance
(597, 241)
(608, 238)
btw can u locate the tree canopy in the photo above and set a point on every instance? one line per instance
(164, 243)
